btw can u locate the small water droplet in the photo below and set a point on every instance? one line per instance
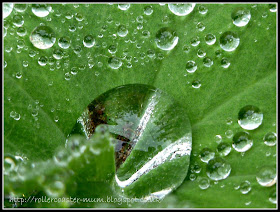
(195, 41)
(196, 84)
(270, 139)
(242, 141)
(122, 30)
(15, 115)
(229, 41)
(245, 187)
(206, 154)
(64, 42)
(148, 10)
(192, 177)
(7, 9)
(218, 169)
(210, 39)
(43, 60)
(240, 17)
(204, 183)
(273, 197)
(272, 8)
(224, 149)
(201, 53)
(89, 41)
(202, 9)
(20, 7)
(21, 31)
(225, 63)
(250, 117)
(267, 176)
(200, 26)
(41, 10)
(181, 9)
(42, 37)
(191, 66)
(124, 6)
(166, 39)
(18, 20)
(114, 62)
(229, 133)
(207, 62)
(218, 138)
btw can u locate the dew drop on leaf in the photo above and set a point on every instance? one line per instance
(242, 141)
(18, 20)
(225, 63)
(206, 154)
(166, 39)
(41, 10)
(245, 187)
(196, 84)
(240, 17)
(202, 9)
(181, 9)
(64, 42)
(89, 41)
(7, 9)
(114, 62)
(229, 41)
(148, 10)
(42, 37)
(250, 117)
(204, 183)
(122, 30)
(270, 139)
(20, 7)
(191, 66)
(223, 149)
(218, 169)
(273, 197)
(151, 134)
(123, 6)
(267, 176)
(207, 62)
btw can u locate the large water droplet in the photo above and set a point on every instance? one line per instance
(242, 142)
(151, 133)
(229, 41)
(181, 9)
(42, 37)
(7, 9)
(41, 10)
(267, 176)
(241, 17)
(218, 169)
(166, 39)
(270, 139)
(250, 117)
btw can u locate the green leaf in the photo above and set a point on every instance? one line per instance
(49, 99)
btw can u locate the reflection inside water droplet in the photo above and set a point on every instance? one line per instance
(151, 133)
